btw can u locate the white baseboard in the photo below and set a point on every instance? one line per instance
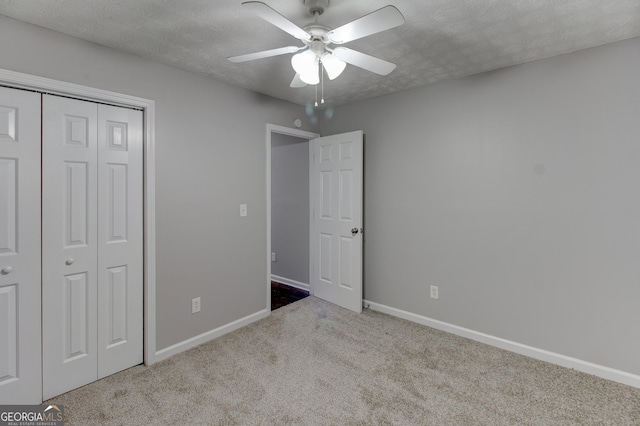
(289, 282)
(540, 354)
(209, 335)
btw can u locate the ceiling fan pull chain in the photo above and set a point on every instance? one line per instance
(321, 83)
(316, 104)
(322, 87)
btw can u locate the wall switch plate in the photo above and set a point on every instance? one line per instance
(243, 210)
(273, 257)
(195, 305)
(434, 291)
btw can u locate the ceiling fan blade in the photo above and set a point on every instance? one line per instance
(297, 81)
(362, 60)
(264, 54)
(268, 14)
(382, 19)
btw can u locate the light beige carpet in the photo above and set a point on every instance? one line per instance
(313, 363)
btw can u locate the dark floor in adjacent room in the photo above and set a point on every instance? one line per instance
(282, 295)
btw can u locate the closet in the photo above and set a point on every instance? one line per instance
(73, 296)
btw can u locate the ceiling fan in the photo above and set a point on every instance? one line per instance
(317, 40)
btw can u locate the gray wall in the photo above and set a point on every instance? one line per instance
(516, 192)
(210, 158)
(290, 207)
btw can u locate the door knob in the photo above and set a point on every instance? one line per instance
(7, 270)
(354, 231)
(70, 261)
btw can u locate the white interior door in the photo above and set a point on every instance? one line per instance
(336, 228)
(119, 239)
(70, 243)
(20, 350)
(92, 242)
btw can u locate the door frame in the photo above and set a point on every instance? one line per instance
(302, 134)
(46, 85)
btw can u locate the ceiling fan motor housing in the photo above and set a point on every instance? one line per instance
(316, 7)
(317, 47)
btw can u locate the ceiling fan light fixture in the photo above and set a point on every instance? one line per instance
(317, 39)
(333, 65)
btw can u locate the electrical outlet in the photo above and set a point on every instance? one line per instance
(434, 291)
(243, 210)
(195, 305)
(273, 257)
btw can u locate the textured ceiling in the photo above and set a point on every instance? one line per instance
(441, 39)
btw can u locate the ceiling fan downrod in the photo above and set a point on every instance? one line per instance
(316, 7)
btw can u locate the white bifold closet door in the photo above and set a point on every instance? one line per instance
(92, 255)
(20, 351)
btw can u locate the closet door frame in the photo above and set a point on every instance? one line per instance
(55, 87)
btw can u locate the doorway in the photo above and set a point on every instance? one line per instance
(336, 193)
(289, 219)
(288, 213)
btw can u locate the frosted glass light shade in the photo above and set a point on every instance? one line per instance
(306, 64)
(311, 77)
(333, 65)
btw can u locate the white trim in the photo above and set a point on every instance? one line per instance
(536, 353)
(42, 84)
(312, 173)
(290, 282)
(150, 235)
(273, 128)
(210, 335)
(56, 87)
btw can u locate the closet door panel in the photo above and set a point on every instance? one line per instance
(70, 243)
(20, 321)
(120, 260)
